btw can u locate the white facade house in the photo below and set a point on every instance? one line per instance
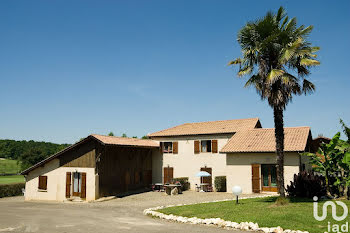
(240, 150)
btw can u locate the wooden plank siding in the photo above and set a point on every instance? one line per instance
(123, 169)
(82, 156)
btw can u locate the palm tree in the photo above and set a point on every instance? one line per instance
(277, 58)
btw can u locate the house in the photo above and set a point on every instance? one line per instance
(100, 166)
(91, 168)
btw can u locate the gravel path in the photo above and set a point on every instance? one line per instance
(117, 215)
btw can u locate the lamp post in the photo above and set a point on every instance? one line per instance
(236, 190)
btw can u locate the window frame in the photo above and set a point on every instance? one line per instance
(41, 186)
(201, 146)
(168, 151)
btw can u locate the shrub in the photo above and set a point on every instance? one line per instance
(183, 181)
(281, 201)
(220, 183)
(9, 190)
(307, 185)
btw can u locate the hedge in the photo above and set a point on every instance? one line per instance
(220, 183)
(183, 181)
(9, 190)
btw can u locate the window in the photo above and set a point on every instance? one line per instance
(269, 177)
(76, 182)
(206, 146)
(167, 147)
(42, 183)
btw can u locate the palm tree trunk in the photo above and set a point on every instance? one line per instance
(279, 134)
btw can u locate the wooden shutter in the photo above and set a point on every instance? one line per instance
(161, 144)
(196, 147)
(68, 184)
(175, 147)
(83, 185)
(168, 174)
(42, 182)
(256, 178)
(214, 146)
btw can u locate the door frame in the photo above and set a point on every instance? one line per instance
(268, 188)
(76, 194)
(209, 178)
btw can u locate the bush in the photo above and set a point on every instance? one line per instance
(183, 181)
(9, 190)
(220, 183)
(307, 185)
(281, 201)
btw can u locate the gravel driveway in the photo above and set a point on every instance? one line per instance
(117, 215)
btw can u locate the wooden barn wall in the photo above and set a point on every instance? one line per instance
(81, 156)
(123, 169)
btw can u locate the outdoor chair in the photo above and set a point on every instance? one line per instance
(210, 188)
(198, 188)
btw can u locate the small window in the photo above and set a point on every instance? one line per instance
(206, 146)
(167, 147)
(42, 183)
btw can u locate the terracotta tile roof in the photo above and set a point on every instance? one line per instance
(209, 127)
(121, 141)
(263, 140)
(106, 140)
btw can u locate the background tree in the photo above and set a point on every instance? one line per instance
(277, 57)
(346, 129)
(31, 157)
(124, 135)
(111, 134)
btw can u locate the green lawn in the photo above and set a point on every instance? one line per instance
(297, 215)
(11, 179)
(8, 166)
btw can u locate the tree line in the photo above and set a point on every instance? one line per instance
(28, 153)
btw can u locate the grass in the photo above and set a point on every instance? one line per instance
(295, 215)
(8, 166)
(11, 179)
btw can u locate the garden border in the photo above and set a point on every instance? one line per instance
(248, 226)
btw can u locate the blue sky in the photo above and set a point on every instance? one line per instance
(72, 68)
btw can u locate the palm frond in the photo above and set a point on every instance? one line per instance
(235, 62)
(306, 31)
(274, 75)
(245, 71)
(281, 13)
(308, 87)
(309, 62)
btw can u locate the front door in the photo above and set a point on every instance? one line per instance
(76, 184)
(168, 175)
(208, 179)
(269, 177)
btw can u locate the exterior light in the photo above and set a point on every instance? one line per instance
(237, 190)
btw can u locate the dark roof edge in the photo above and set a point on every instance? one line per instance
(48, 159)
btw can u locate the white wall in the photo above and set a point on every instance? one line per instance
(187, 164)
(56, 182)
(239, 170)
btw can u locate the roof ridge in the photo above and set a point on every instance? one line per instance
(293, 127)
(119, 137)
(253, 118)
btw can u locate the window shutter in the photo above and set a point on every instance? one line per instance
(83, 185)
(42, 184)
(45, 182)
(68, 184)
(165, 174)
(214, 146)
(161, 147)
(256, 178)
(196, 147)
(175, 147)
